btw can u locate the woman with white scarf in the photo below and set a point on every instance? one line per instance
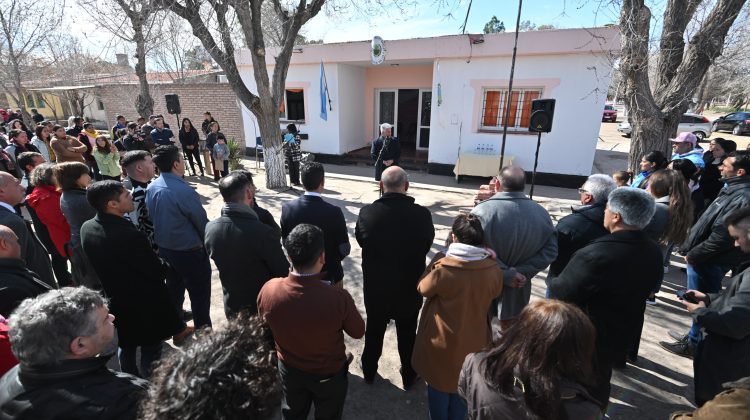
(455, 320)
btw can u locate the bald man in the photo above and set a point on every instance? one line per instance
(395, 234)
(16, 281)
(520, 231)
(32, 251)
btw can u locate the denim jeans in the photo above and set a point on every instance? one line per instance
(149, 355)
(445, 406)
(704, 278)
(191, 271)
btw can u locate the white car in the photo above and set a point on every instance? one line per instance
(693, 123)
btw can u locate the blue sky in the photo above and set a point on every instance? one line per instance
(426, 20)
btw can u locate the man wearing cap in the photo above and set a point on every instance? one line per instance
(683, 147)
(385, 150)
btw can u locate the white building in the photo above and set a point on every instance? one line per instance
(446, 95)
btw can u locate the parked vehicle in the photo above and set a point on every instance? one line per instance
(737, 122)
(610, 113)
(693, 123)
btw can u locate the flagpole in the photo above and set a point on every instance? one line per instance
(325, 79)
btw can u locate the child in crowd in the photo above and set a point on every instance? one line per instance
(622, 178)
(107, 159)
(221, 155)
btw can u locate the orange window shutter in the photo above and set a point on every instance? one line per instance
(526, 111)
(491, 108)
(513, 109)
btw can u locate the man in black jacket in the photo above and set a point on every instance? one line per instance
(585, 224)
(32, 251)
(385, 150)
(610, 279)
(63, 356)
(722, 356)
(133, 276)
(710, 249)
(246, 251)
(312, 209)
(16, 281)
(395, 235)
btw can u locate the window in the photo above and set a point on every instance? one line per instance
(100, 105)
(293, 105)
(493, 108)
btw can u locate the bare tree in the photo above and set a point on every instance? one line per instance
(133, 22)
(172, 52)
(212, 22)
(23, 42)
(655, 107)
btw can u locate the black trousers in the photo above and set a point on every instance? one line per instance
(193, 153)
(293, 171)
(406, 332)
(301, 390)
(60, 268)
(602, 376)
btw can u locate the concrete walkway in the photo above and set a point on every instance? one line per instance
(657, 385)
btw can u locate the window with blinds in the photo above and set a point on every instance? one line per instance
(494, 102)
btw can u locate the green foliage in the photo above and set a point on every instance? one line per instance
(236, 151)
(494, 26)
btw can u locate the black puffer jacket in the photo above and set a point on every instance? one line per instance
(75, 389)
(709, 240)
(575, 231)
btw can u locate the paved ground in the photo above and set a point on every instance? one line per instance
(656, 386)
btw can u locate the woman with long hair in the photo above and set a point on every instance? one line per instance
(189, 139)
(67, 148)
(691, 176)
(107, 159)
(710, 181)
(41, 141)
(72, 179)
(538, 369)
(50, 224)
(88, 137)
(20, 125)
(650, 163)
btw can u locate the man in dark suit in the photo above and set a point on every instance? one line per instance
(313, 210)
(610, 279)
(246, 251)
(133, 276)
(395, 234)
(385, 150)
(32, 251)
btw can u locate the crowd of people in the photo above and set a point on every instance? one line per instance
(90, 342)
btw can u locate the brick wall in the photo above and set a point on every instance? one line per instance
(195, 99)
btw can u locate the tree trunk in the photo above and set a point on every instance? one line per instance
(144, 103)
(273, 155)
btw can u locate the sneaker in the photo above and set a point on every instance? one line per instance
(682, 338)
(679, 348)
(180, 339)
(651, 300)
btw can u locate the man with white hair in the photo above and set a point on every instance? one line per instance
(610, 279)
(62, 361)
(585, 223)
(385, 150)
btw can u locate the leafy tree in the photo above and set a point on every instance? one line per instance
(494, 26)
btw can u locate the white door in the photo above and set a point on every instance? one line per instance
(423, 119)
(386, 109)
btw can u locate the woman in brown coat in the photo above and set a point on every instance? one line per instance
(459, 289)
(66, 148)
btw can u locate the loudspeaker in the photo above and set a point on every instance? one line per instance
(173, 103)
(542, 111)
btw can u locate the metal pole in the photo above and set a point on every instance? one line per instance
(510, 88)
(536, 162)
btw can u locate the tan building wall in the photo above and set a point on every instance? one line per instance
(195, 99)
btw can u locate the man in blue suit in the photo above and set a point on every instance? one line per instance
(312, 209)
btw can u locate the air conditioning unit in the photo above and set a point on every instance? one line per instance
(223, 78)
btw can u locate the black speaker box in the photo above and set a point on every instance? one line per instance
(173, 103)
(542, 111)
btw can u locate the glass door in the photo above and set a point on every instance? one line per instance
(386, 101)
(425, 113)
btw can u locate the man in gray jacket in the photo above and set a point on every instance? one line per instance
(521, 233)
(722, 355)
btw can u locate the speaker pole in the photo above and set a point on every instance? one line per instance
(536, 162)
(510, 88)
